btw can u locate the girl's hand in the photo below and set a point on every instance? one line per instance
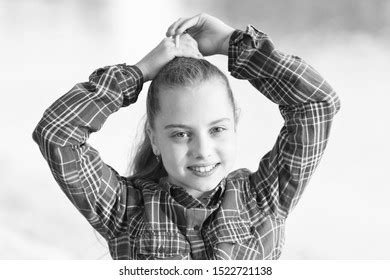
(211, 34)
(165, 51)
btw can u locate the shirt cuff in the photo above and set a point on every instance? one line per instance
(130, 82)
(133, 75)
(242, 40)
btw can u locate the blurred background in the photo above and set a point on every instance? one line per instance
(47, 46)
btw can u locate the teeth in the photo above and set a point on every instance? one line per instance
(203, 169)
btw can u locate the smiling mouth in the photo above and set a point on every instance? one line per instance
(203, 170)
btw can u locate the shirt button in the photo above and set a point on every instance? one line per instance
(196, 227)
(161, 250)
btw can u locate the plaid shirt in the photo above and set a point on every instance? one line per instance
(244, 216)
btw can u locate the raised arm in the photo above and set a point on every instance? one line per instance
(98, 191)
(306, 101)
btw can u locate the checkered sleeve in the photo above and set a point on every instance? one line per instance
(307, 104)
(96, 190)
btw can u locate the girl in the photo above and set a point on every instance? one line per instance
(182, 200)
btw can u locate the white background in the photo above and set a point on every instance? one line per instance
(48, 46)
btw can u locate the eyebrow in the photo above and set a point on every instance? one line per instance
(186, 126)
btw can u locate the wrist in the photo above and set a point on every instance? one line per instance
(224, 49)
(141, 66)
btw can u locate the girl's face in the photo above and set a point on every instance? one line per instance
(196, 136)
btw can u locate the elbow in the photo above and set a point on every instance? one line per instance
(37, 133)
(35, 136)
(43, 126)
(334, 103)
(329, 97)
(43, 132)
(38, 138)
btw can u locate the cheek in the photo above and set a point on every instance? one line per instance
(228, 148)
(174, 154)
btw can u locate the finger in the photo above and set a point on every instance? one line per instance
(184, 25)
(171, 29)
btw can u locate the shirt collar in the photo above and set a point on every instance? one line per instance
(209, 198)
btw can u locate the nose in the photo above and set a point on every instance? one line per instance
(201, 147)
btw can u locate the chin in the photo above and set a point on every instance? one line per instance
(205, 184)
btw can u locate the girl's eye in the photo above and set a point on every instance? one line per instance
(180, 135)
(217, 130)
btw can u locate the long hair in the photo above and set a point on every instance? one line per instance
(179, 72)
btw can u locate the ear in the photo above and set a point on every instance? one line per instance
(152, 139)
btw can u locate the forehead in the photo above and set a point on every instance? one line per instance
(194, 105)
